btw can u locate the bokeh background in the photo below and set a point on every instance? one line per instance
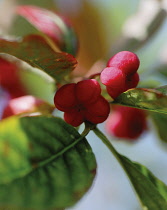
(105, 27)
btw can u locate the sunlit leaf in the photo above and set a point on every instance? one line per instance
(34, 50)
(148, 99)
(44, 163)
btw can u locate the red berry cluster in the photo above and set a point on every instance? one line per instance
(120, 73)
(126, 122)
(82, 102)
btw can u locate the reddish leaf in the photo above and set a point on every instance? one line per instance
(34, 50)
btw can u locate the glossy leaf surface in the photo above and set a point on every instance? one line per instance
(148, 99)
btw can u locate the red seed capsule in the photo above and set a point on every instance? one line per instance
(127, 61)
(112, 76)
(98, 111)
(87, 91)
(65, 97)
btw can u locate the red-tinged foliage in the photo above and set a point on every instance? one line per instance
(55, 26)
(42, 19)
(126, 122)
(34, 50)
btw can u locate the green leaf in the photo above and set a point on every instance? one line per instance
(44, 163)
(148, 99)
(160, 121)
(162, 89)
(34, 50)
(151, 191)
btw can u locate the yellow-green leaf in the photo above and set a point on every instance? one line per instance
(44, 163)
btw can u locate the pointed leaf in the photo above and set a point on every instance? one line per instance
(149, 99)
(44, 163)
(151, 191)
(34, 50)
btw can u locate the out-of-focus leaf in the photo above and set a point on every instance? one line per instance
(44, 163)
(54, 26)
(160, 121)
(162, 89)
(26, 105)
(91, 29)
(34, 50)
(148, 99)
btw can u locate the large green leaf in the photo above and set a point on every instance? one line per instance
(34, 50)
(151, 191)
(44, 163)
(148, 99)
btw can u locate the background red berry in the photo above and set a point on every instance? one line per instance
(126, 122)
